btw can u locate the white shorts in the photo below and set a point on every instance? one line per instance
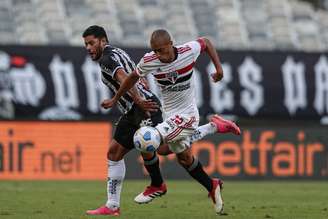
(177, 130)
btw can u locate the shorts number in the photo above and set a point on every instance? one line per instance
(178, 120)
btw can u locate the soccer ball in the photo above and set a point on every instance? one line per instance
(147, 139)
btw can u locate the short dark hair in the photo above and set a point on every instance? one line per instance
(160, 34)
(95, 30)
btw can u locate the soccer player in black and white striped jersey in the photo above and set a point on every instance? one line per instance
(138, 106)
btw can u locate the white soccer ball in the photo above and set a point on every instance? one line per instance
(147, 139)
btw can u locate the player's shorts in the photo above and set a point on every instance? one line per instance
(177, 130)
(130, 122)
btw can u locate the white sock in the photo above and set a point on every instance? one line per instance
(116, 174)
(202, 131)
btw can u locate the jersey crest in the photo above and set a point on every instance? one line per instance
(172, 76)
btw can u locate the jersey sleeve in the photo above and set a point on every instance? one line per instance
(197, 46)
(144, 67)
(110, 64)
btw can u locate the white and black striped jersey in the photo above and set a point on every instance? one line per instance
(113, 59)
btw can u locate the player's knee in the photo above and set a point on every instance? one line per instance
(147, 156)
(111, 155)
(114, 153)
(185, 161)
(164, 150)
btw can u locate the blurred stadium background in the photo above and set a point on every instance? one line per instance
(234, 24)
(275, 87)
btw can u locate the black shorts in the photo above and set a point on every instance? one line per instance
(130, 122)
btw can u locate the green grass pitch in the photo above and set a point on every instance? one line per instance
(185, 199)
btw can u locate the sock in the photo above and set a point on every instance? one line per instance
(196, 171)
(152, 166)
(116, 174)
(202, 131)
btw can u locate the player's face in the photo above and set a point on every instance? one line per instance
(164, 51)
(93, 46)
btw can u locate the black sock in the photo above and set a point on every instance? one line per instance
(152, 166)
(196, 171)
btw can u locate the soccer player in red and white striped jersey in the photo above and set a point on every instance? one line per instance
(172, 67)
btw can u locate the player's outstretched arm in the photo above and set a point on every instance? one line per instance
(127, 84)
(146, 105)
(211, 51)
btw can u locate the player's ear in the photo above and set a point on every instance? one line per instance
(103, 41)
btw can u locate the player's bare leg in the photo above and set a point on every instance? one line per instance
(164, 150)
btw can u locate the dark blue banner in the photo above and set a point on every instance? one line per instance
(63, 83)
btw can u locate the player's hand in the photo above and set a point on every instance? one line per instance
(217, 76)
(147, 105)
(144, 82)
(108, 103)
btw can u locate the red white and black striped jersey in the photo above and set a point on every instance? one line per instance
(175, 79)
